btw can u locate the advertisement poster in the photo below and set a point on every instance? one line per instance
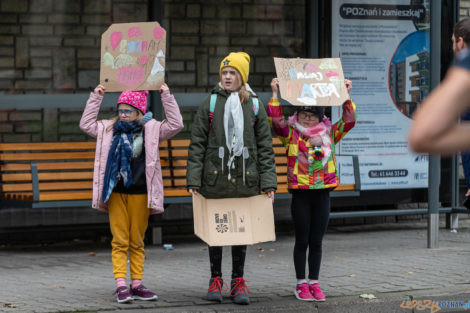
(311, 81)
(384, 50)
(133, 56)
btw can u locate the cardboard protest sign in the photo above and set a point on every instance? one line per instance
(316, 82)
(133, 57)
(233, 221)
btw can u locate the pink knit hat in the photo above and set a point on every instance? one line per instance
(137, 99)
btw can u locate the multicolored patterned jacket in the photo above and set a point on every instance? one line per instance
(302, 174)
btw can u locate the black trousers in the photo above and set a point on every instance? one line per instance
(238, 261)
(310, 213)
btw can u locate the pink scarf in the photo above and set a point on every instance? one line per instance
(318, 135)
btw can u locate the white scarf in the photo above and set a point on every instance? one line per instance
(233, 127)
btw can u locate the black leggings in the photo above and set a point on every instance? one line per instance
(310, 212)
(238, 261)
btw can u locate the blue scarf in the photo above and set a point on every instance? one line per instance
(120, 154)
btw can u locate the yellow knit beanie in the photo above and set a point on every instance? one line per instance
(240, 61)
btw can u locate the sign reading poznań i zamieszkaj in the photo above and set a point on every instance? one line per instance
(384, 50)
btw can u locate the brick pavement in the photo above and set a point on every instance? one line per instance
(388, 260)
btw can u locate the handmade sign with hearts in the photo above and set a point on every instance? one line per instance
(315, 82)
(133, 57)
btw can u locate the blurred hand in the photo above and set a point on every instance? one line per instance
(99, 90)
(192, 191)
(270, 194)
(275, 87)
(348, 84)
(164, 88)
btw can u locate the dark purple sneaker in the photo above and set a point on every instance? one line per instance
(123, 295)
(142, 293)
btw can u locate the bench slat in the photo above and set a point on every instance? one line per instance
(180, 192)
(19, 196)
(46, 156)
(47, 176)
(10, 167)
(180, 163)
(180, 143)
(65, 195)
(45, 146)
(48, 186)
(179, 153)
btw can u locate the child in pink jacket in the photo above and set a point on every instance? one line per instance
(127, 178)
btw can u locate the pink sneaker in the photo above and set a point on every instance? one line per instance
(303, 293)
(316, 292)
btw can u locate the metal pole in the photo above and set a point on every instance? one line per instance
(312, 20)
(454, 218)
(156, 14)
(434, 161)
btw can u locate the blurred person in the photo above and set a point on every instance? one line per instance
(435, 128)
(460, 41)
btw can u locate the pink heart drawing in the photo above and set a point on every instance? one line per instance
(130, 76)
(331, 74)
(134, 32)
(311, 68)
(158, 32)
(115, 39)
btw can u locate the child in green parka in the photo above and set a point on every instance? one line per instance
(231, 156)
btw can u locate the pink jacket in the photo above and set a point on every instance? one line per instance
(154, 132)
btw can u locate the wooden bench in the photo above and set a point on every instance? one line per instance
(60, 174)
(174, 157)
(55, 176)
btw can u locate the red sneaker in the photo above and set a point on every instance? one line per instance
(316, 292)
(303, 293)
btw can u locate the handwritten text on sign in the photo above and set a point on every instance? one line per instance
(133, 57)
(317, 82)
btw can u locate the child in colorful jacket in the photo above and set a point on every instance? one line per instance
(309, 139)
(127, 178)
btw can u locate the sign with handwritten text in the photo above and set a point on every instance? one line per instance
(311, 82)
(133, 56)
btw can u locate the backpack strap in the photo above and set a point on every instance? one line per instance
(213, 101)
(255, 105)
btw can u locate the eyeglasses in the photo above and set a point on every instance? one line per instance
(125, 112)
(306, 116)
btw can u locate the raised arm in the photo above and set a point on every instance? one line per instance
(173, 122)
(346, 122)
(88, 122)
(267, 166)
(435, 128)
(348, 118)
(276, 119)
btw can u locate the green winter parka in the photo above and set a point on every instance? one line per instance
(208, 173)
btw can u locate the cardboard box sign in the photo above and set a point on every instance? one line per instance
(233, 221)
(133, 56)
(311, 82)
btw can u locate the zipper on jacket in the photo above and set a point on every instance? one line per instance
(149, 195)
(99, 166)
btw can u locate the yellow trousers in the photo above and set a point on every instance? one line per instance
(128, 220)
